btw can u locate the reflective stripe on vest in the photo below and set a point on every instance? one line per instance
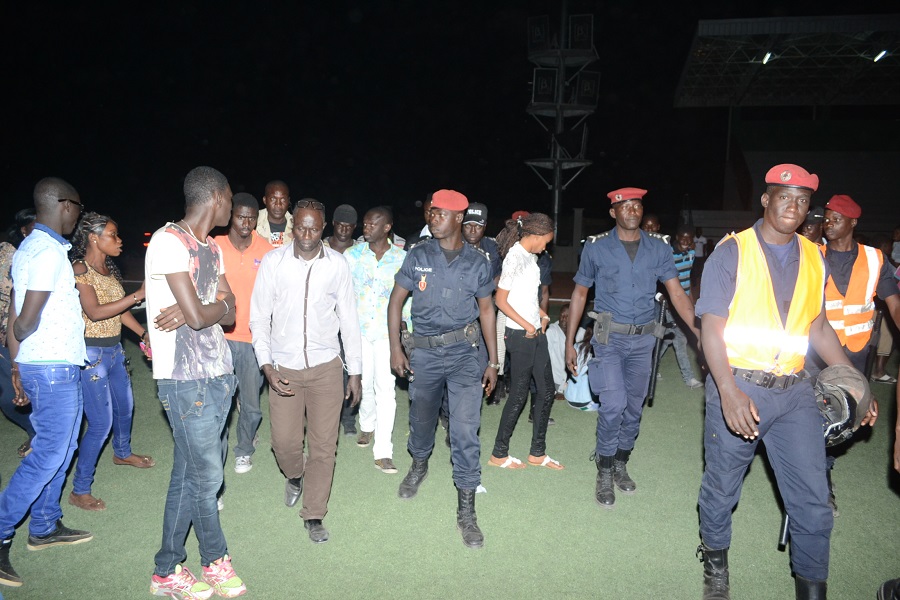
(755, 337)
(852, 315)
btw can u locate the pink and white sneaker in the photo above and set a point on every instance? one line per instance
(221, 576)
(181, 585)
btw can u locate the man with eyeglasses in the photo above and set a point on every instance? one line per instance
(302, 300)
(275, 223)
(46, 344)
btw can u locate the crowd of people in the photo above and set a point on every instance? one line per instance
(330, 323)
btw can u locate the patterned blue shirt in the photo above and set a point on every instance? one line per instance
(373, 281)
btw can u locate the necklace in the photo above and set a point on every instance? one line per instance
(190, 230)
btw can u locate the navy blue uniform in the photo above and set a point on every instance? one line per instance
(444, 300)
(489, 246)
(620, 370)
(789, 424)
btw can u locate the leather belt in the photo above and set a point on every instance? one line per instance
(765, 380)
(645, 329)
(445, 339)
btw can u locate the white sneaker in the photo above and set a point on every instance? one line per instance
(242, 464)
(694, 383)
(220, 504)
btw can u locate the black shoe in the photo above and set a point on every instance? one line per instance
(8, 575)
(889, 590)
(466, 521)
(317, 532)
(620, 474)
(61, 536)
(292, 490)
(715, 573)
(605, 493)
(350, 429)
(493, 400)
(807, 589)
(409, 487)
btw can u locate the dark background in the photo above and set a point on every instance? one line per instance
(364, 103)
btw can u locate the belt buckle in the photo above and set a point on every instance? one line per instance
(635, 329)
(747, 375)
(768, 380)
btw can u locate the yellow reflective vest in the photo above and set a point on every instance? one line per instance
(755, 337)
(852, 315)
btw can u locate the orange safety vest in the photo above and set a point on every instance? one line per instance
(852, 315)
(755, 337)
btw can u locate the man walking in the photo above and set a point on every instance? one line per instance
(46, 343)
(373, 266)
(303, 298)
(190, 298)
(242, 252)
(274, 223)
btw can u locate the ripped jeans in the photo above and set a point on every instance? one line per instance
(108, 405)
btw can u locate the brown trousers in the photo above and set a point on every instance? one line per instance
(315, 406)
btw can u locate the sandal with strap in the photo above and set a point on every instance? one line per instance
(86, 502)
(545, 461)
(510, 462)
(884, 379)
(135, 460)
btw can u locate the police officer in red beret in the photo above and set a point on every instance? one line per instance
(624, 266)
(761, 305)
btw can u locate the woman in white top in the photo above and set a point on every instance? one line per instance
(518, 293)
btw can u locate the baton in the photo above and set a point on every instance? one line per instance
(657, 351)
(873, 344)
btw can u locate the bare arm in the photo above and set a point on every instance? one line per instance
(399, 362)
(682, 304)
(30, 318)
(576, 310)
(195, 314)
(488, 320)
(739, 411)
(545, 298)
(893, 305)
(19, 397)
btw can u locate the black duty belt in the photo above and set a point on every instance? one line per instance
(445, 339)
(765, 380)
(645, 329)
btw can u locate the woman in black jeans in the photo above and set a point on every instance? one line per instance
(517, 296)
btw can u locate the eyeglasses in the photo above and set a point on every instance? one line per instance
(75, 202)
(312, 204)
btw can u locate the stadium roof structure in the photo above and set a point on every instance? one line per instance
(796, 61)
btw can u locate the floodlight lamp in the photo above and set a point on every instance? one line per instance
(767, 57)
(879, 56)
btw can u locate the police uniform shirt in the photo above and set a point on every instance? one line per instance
(622, 287)
(444, 296)
(489, 246)
(717, 285)
(841, 265)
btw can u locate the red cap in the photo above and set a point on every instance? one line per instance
(449, 200)
(789, 175)
(623, 194)
(519, 214)
(845, 205)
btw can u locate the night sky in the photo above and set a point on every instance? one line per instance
(364, 103)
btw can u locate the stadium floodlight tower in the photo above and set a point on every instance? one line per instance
(562, 89)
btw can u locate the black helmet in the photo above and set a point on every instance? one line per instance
(843, 397)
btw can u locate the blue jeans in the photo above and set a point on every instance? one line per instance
(108, 405)
(55, 394)
(458, 367)
(196, 410)
(250, 380)
(17, 414)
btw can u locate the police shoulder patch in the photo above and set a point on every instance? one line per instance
(481, 252)
(593, 238)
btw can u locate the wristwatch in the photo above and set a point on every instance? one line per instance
(494, 365)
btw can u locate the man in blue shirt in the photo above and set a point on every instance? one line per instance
(46, 343)
(624, 265)
(451, 283)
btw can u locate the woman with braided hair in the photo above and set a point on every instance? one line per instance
(518, 293)
(106, 385)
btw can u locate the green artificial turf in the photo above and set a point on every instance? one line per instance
(545, 535)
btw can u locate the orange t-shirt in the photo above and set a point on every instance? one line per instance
(240, 272)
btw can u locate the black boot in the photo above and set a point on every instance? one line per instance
(418, 471)
(8, 575)
(715, 573)
(605, 494)
(620, 475)
(466, 521)
(807, 589)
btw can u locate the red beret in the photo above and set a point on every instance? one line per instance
(449, 200)
(789, 175)
(845, 205)
(520, 213)
(623, 194)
